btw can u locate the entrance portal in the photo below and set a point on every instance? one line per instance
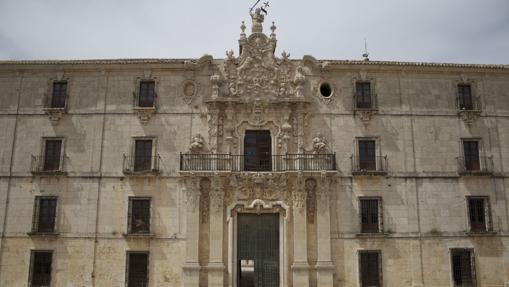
(258, 250)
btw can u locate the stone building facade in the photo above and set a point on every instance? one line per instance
(253, 170)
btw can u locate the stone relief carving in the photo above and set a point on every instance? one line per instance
(189, 90)
(323, 192)
(469, 117)
(192, 192)
(204, 200)
(311, 199)
(217, 194)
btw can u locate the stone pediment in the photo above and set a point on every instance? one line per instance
(257, 74)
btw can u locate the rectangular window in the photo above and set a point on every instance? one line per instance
(367, 155)
(370, 215)
(139, 215)
(370, 268)
(137, 269)
(471, 153)
(147, 94)
(45, 210)
(52, 154)
(363, 95)
(59, 95)
(143, 155)
(478, 214)
(463, 267)
(257, 151)
(40, 268)
(465, 100)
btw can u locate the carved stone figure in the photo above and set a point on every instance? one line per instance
(197, 144)
(258, 19)
(319, 144)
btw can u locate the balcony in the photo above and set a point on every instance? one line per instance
(373, 166)
(274, 163)
(47, 165)
(140, 165)
(481, 166)
(469, 109)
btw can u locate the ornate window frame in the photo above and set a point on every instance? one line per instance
(145, 113)
(365, 114)
(55, 114)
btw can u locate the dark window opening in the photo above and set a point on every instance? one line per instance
(52, 155)
(325, 90)
(367, 155)
(147, 94)
(44, 214)
(143, 155)
(477, 214)
(370, 216)
(465, 97)
(462, 266)
(40, 268)
(363, 95)
(471, 153)
(137, 269)
(59, 94)
(139, 215)
(257, 151)
(370, 269)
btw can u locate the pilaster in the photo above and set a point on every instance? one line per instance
(300, 266)
(324, 265)
(216, 264)
(191, 268)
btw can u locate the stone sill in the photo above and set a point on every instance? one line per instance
(372, 235)
(43, 234)
(154, 172)
(475, 173)
(49, 173)
(369, 173)
(480, 233)
(139, 235)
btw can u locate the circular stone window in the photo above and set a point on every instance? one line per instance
(325, 90)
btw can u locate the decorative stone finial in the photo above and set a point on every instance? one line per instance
(258, 19)
(273, 29)
(243, 29)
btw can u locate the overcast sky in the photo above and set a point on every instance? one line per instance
(460, 31)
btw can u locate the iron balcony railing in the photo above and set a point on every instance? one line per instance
(464, 104)
(373, 165)
(480, 165)
(229, 162)
(141, 164)
(361, 104)
(47, 164)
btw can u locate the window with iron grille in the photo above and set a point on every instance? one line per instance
(52, 154)
(45, 210)
(146, 95)
(465, 99)
(40, 268)
(463, 267)
(471, 153)
(143, 154)
(370, 265)
(371, 215)
(363, 95)
(137, 269)
(257, 150)
(59, 95)
(478, 214)
(367, 154)
(139, 215)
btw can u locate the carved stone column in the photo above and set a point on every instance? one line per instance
(191, 267)
(216, 265)
(300, 266)
(324, 264)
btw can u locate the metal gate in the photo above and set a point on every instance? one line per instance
(258, 250)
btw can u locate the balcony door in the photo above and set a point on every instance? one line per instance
(257, 151)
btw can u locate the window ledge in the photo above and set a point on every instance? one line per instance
(480, 233)
(369, 173)
(372, 234)
(43, 234)
(475, 173)
(139, 235)
(49, 172)
(153, 172)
